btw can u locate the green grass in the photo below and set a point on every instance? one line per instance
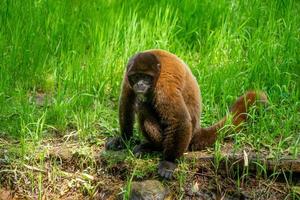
(75, 53)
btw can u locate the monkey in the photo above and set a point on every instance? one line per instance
(161, 90)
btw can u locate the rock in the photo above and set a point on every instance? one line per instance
(148, 190)
(5, 194)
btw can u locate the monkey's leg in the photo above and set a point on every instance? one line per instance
(151, 130)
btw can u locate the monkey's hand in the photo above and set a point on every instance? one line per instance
(166, 169)
(115, 143)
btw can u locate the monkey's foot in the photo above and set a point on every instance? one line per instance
(115, 143)
(166, 169)
(143, 148)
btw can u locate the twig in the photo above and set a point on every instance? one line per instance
(35, 168)
(274, 188)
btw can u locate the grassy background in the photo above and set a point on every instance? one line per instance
(74, 52)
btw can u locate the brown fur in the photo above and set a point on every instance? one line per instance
(170, 120)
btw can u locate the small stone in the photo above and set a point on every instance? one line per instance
(148, 190)
(5, 194)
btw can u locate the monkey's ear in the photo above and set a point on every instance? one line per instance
(158, 66)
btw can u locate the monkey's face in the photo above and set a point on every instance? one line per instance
(141, 85)
(143, 70)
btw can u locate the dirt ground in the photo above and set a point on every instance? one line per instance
(69, 170)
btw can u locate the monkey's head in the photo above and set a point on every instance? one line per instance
(142, 73)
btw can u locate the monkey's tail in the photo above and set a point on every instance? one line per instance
(204, 137)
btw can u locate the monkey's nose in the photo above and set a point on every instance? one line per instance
(141, 86)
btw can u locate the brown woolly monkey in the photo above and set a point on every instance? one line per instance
(160, 88)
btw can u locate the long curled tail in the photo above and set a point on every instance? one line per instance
(204, 137)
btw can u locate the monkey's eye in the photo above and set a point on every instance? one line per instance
(134, 78)
(148, 79)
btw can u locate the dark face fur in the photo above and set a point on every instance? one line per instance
(142, 72)
(141, 84)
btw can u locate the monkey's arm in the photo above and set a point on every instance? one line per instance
(126, 118)
(126, 111)
(178, 131)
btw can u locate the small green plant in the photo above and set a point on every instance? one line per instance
(181, 176)
(126, 191)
